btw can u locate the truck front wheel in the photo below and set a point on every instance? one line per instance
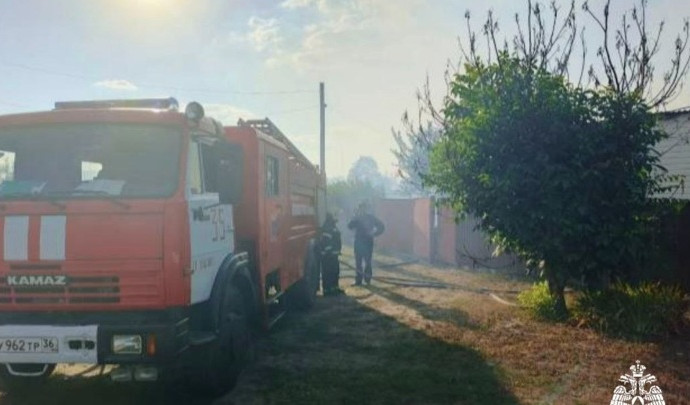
(216, 369)
(24, 377)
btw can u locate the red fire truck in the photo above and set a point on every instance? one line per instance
(154, 240)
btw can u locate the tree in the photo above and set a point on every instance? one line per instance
(344, 195)
(412, 153)
(556, 174)
(364, 182)
(365, 170)
(557, 170)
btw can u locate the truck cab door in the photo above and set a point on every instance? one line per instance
(211, 230)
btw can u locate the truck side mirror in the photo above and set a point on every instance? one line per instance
(230, 172)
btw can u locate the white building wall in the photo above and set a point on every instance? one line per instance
(675, 151)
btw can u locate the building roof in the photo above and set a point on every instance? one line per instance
(674, 112)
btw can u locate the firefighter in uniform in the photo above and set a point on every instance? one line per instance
(366, 227)
(330, 245)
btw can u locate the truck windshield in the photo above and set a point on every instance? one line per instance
(89, 161)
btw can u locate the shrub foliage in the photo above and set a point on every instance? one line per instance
(642, 311)
(540, 303)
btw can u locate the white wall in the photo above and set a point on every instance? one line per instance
(675, 151)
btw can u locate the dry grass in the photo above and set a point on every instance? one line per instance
(542, 363)
(421, 334)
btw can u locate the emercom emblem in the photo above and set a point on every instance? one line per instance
(634, 389)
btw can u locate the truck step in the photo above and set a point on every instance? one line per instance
(200, 338)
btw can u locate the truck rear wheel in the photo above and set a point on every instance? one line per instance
(216, 369)
(24, 377)
(303, 293)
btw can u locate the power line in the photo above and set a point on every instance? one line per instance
(22, 66)
(356, 120)
(13, 104)
(45, 71)
(292, 111)
(222, 92)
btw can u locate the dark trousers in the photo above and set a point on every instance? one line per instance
(330, 271)
(363, 251)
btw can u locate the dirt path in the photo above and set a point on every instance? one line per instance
(418, 334)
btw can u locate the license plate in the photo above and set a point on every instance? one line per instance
(28, 345)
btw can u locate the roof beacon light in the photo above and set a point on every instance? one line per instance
(147, 103)
(194, 111)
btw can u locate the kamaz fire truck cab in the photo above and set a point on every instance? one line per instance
(140, 236)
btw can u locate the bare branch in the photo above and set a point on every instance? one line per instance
(490, 30)
(583, 44)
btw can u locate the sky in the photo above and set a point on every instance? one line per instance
(257, 58)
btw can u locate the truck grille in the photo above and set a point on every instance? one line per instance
(79, 290)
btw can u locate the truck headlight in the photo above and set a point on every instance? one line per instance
(127, 344)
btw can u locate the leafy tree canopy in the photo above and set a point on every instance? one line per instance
(559, 171)
(557, 174)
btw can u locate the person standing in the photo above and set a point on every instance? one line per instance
(366, 227)
(330, 245)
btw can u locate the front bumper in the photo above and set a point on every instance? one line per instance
(87, 338)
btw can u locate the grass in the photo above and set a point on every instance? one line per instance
(441, 340)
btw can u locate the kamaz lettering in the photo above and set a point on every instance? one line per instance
(33, 281)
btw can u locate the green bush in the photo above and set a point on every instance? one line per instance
(641, 311)
(540, 303)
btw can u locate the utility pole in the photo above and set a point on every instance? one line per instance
(323, 127)
(322, 162)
